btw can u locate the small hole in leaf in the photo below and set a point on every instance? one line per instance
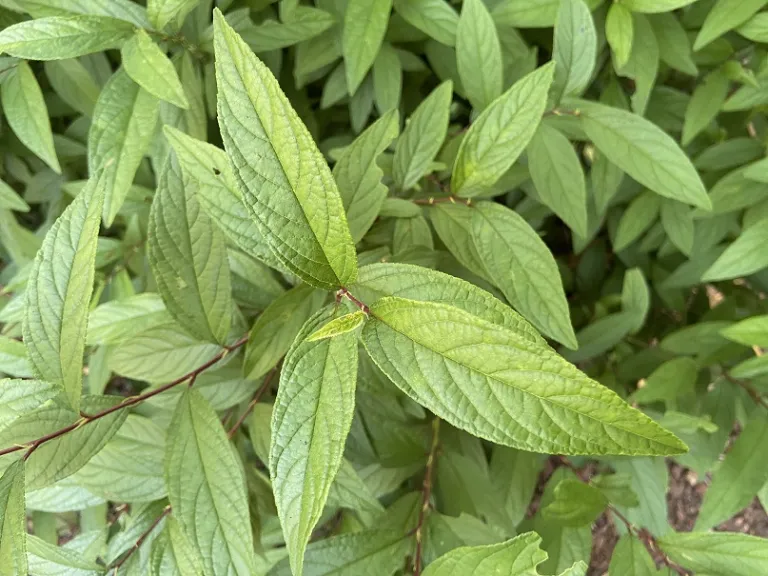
(216, 171)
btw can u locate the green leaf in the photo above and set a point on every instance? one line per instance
(645, 152)
(277, 327)
(59, 288)
(74, 83)
(750, 332)
(575, 48)
(272, 158)
(65, 455)
(188, 259)
(172, 553)
(724, 16)
(207, 169)
(637, 219)
(13, 358)
(516, 557)
(62, 37)
(558, 176)
(602, 335)
(19, 397)
(310, 422)
(352, 554)
(27, 114)
(9, 200)
(705, 104)
(337, 326)
(365, 23)
(649, 481)
(635, 297)
(620, 32)
(677, 220)
(630, 558)
(116, 321)
(717, 553)
(738, 479)
(387, 79)
(674, 45)
(478, 54)
(453, 224)
(529, 13)
(575, 504)
(160, 353)
(422, 137)
(358, 174)
(410, 232)
(654, 6)
(50, 560)
(617, 488)
(120, 9)
(13, 521)
(744, 256)
(500, 134)
(151, 69)
(497, 385)
(206, 488)
(643, 63)
(524, 269)
(305, 23)
(163, 12)
(669, 381)
(417, 283)
(121, 131)
(436, 18)
(514, 474)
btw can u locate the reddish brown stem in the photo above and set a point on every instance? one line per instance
(753, 393)
(344, 292)
(140, 541)
(426, 494)
(255, 400)
(127, 403)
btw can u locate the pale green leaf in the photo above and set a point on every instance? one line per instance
(522, 266)
(387, 79)
(744, 256)
(310, 422)
(654, 6)
(737, 480)
(422, 137)
(631, 558)
(516, 557)
(62, 37)
(47, 559)
(337, 326)
(188, 258)
(497, 385)
(411, 232)
(717, 553)
(724, 16)
(514, 474)
(649, 481)
(27, 114)
(19, 397)
(674, 44)
(602, 335)
(365, 23)
(164, 12)
(756, 28)
(639, 216)
(119, 320)
(499, 135)
(74, 83)
(453, 224)
(120, 9)
(272, 153)
(669, 381)
(207, 168)
(575, 504)
(172, 553)
(620, 32)
(417, 283)
(558, 176)
(706, 102)
(436, 18)
(305, 23)
(358, 174)
(635, 297)
(58, 292)
(478, 54)
(277, 327)
(643, 64)
(575, 48)
(206, 488)
(121, 131)
(13, 357)
(13, 522)
(750, 332)
(529, 13)
(151, 69)
(645, 152)
(677, 220)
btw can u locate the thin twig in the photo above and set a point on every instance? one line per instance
(431, 201)
(362, 305)
(127, 403)
(753, 393)
(426, 494)
(140, 541)
(255, 400)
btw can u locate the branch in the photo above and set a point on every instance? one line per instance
(362, 305)
(140, 541)
(255, 400)
(442, 200)
(753, 393)
(426, 495)
(128, 402)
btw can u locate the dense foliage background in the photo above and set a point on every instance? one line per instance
(383, 287)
